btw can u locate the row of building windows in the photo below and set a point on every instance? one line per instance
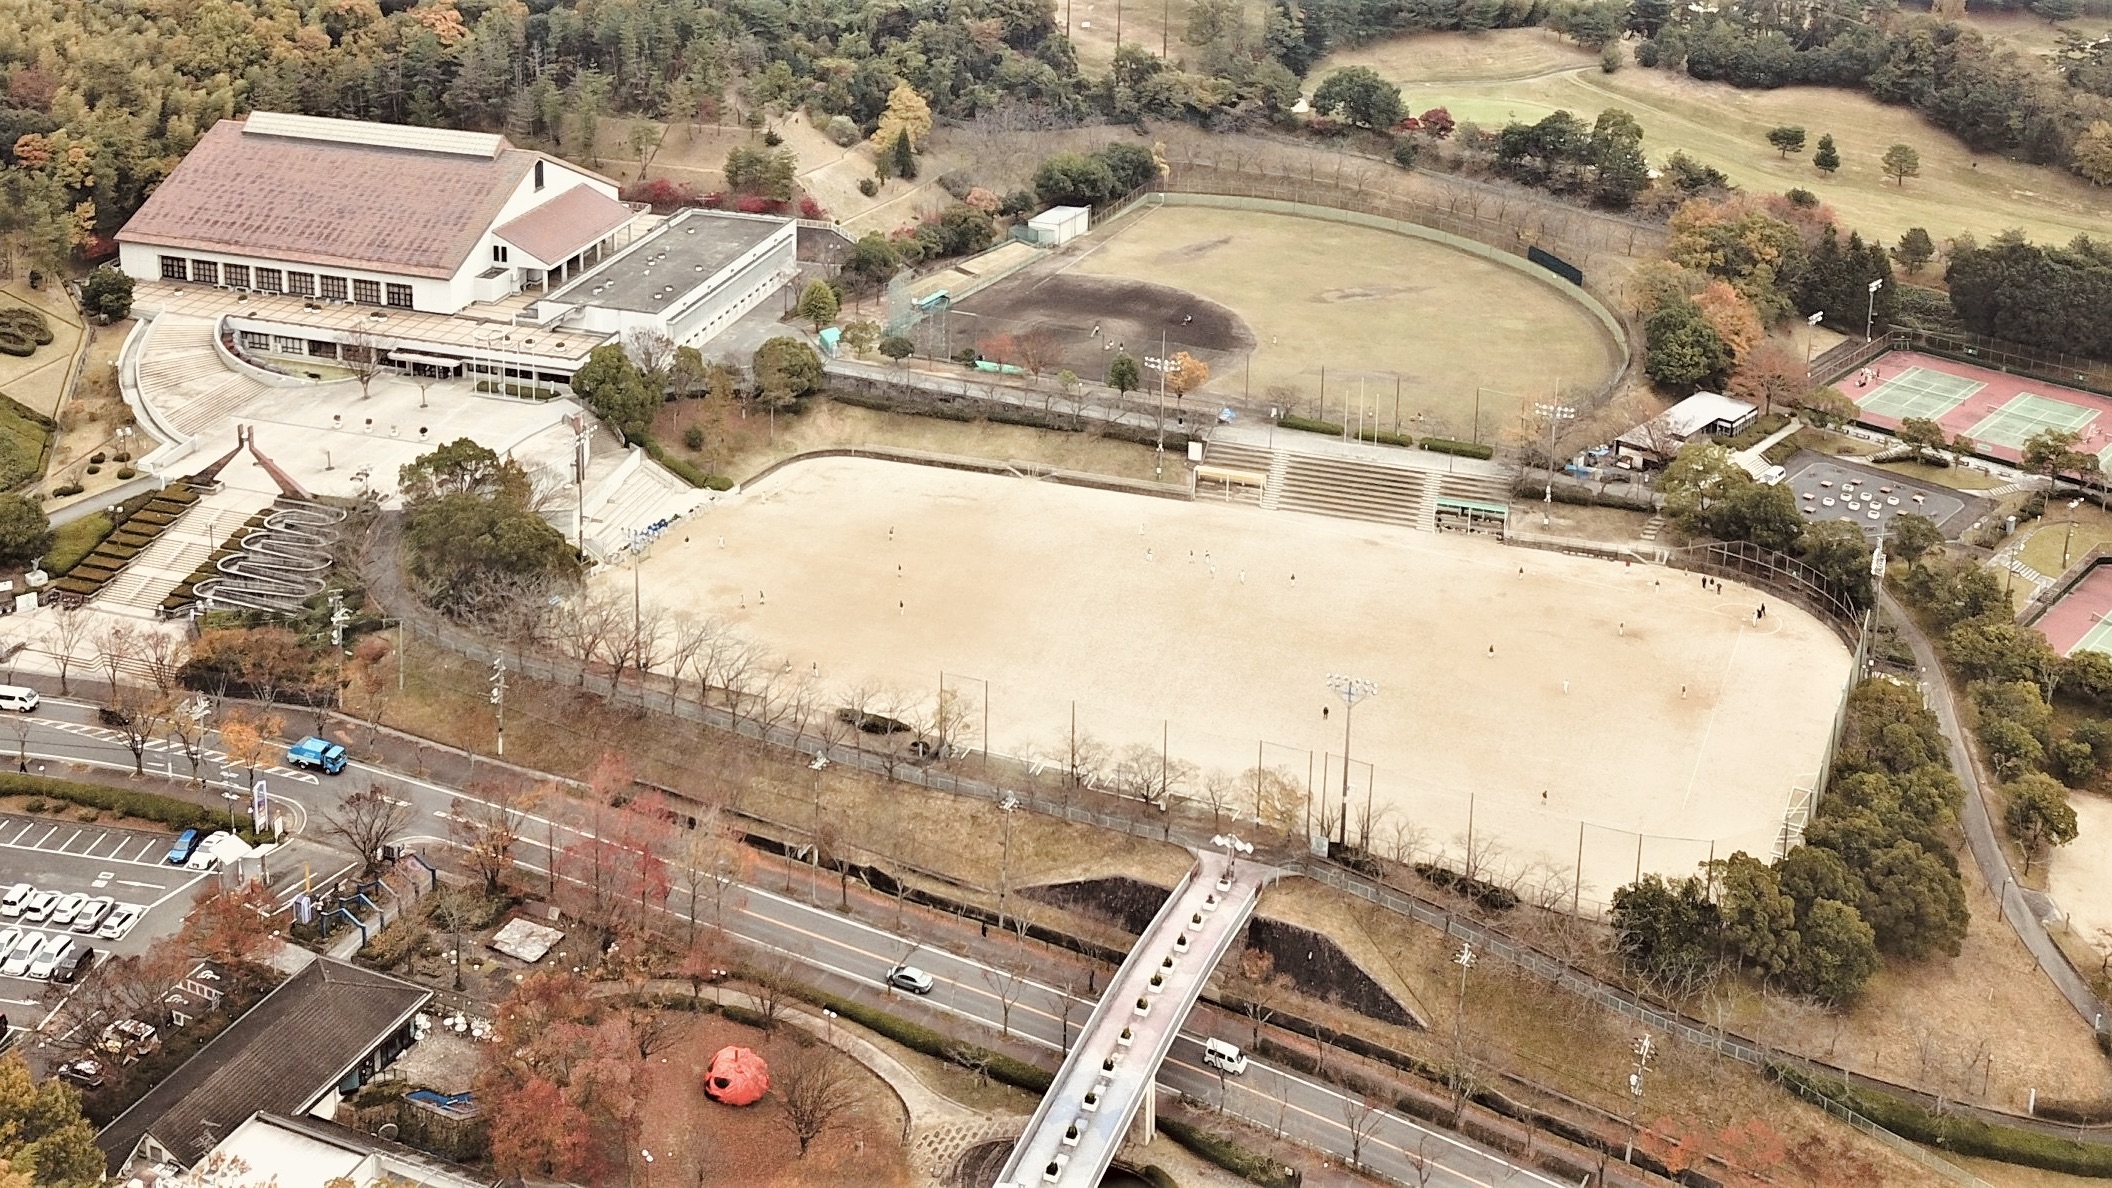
(274, 280)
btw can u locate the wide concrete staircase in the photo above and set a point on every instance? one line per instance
(626, 494)
(1387, 489)
(180, 549)
(184, 380)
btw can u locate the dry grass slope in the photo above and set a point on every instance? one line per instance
(1518, 74)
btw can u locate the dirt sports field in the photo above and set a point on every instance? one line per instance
(1296, 296)
(1631, 699)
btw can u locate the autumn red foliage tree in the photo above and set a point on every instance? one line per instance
(536, 1131)
(230, 924)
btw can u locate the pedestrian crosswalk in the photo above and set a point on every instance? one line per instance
(208, 757)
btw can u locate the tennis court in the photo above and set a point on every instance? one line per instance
(2082, 619)
(1999, 410)
(2027, 414)
(1919, 392)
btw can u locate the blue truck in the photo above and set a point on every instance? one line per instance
(320, 754)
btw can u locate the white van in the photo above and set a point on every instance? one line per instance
(17, 897)
(1219, 1054)
(19, 698)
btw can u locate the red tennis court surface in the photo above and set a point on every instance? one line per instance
(1998, 410)
(2077, 620)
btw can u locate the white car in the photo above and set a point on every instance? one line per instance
(68, 908)
(121, 919)
(40, 907)
(26, 951)
(17, 897)
(11, 937)
(54, 951)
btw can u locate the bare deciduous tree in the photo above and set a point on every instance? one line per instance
(367, 819)
(1360, 1115)
(487, 827)
(69, 630)
(1007, 980)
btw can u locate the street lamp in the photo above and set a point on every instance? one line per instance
(1351, 690)
(1555, 414)
(1870, 315)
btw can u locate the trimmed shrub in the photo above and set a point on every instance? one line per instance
(1954, 1132)
(66, 489)
(1464, 449)
(681, 468)
(1382, 437)
(1309, 425)
(130, 802)
(868, 186)
(1247, 1165)
(1016, 1073)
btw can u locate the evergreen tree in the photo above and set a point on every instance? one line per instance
(1123, 374)
(1914, 250)
(904, 158)
(1787, 139)
(1901, 162)
(1827, 158)
(817, 304)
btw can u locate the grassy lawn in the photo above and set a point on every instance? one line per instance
(24, 441)
(39, 379)
(1325, 298)
(1955, 477)
(75, 540)
(2042, 550)
(749, 444)
(1957, 191)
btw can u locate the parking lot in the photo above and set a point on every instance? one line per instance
(1865, 496)
(66, 858)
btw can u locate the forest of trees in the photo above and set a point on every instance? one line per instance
(2049, 298)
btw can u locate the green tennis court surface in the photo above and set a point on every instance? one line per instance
(2097, 639)
(1919, 392)
(2015, 422)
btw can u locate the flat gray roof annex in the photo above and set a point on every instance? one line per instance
(684, 252)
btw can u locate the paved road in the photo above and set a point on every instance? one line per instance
(849, 956)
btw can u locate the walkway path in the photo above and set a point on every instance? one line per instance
(1754, 457)
(2025, 909)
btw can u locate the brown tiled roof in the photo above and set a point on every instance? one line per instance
(561, 227)
(298, 1041)
(329, 203)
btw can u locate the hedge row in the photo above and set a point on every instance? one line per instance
(132, 802)
(1952, 1132)
(1465, 449)
(1016, 1073)
(1256, 1169)
(1309, 425)
(1384, 438)
(684, 469)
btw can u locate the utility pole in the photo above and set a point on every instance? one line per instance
(1643, 1049)
(498, 699)
(1351, 690)
(1464, 959)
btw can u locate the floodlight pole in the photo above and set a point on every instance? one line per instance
(1870, 314)
(1555, 414)
(1813, 321)
(1351, 690)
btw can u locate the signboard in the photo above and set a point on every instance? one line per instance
(259, 805)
